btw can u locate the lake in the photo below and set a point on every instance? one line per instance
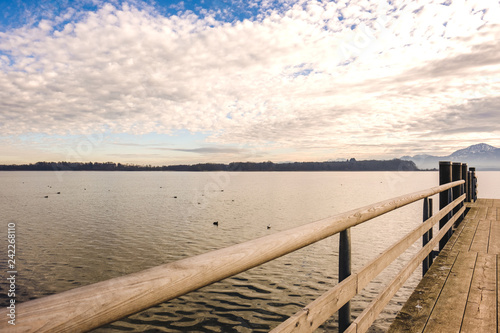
(107, 224)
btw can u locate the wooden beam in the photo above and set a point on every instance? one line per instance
(482, 212)
(480, 313)
(472, 213)
(498, 294)
(463, 243)
(492, 213)
(413, 317)
(318, 311)
(482, 237)
(494, 243)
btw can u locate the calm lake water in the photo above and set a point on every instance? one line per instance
(107, 224)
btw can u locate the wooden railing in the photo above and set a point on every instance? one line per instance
(317, 312)
(92, 306)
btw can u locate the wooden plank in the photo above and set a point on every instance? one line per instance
(498, 214)
(481, 238)
(482, 202)
(353, 328)
(464, 242)
(416, 311)
(472, 213)
(480, 312)
(318, 311)
(479, 202)
(482, 212)
(487, 202)
(448, 313)
(491, 213)
(494, 243)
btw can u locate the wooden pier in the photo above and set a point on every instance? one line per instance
(461, 290)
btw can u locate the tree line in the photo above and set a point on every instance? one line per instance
(348, 165)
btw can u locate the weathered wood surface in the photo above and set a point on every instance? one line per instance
(450, 306)
(482, 298)
(91, 306)
(460, 292)
(494, 243)
(482, 237)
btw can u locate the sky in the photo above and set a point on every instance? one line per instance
(174, 82)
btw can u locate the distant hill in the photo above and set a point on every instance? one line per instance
(482, 156)
(348, 165)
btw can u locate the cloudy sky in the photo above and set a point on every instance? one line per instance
(168, 82)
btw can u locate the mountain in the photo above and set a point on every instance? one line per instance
(482, 156)
(481, 150)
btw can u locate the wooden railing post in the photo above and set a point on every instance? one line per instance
(466, 180)
(344, 272)
(462, 191)
(473, 179)
(444, 178)
(425, 236)
(450, 214)
(469, 177)
(430, 232)
(456, 174)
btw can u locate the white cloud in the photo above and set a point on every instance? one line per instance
(296, 77)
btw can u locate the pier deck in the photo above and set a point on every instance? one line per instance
(460, 292)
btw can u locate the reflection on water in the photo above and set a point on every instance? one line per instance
(107, 224)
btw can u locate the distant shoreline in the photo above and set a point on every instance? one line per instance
(348, 165)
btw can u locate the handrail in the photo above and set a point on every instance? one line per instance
(368, 316)
(92, 306)
(318, 311)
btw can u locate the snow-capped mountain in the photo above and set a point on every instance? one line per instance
(482, 156)
(474, 151)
